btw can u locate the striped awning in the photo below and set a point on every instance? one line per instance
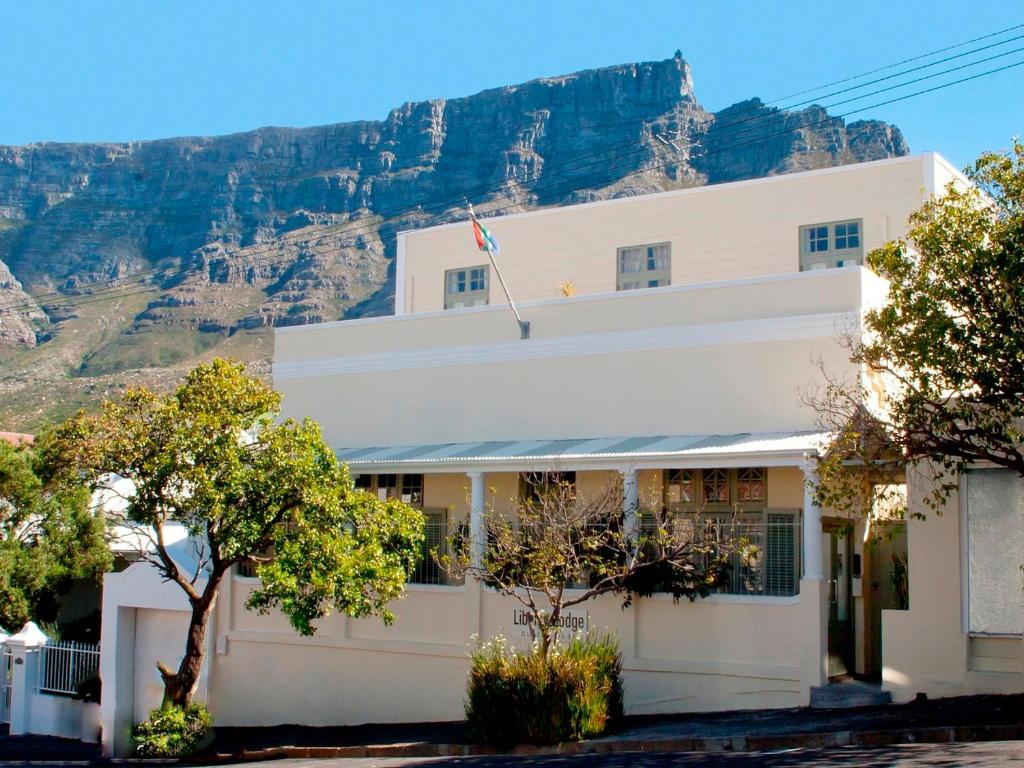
(786, 446)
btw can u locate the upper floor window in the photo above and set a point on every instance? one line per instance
(644, 266)
(836, 244)
(466, 287)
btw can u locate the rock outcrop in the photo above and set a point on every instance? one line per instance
(279, 226)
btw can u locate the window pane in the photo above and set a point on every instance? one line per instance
(460, 285)
(716, 486)
(840, 236)
(679, 486)
(816, 239)
(412, 489)
(655, 260)
(631, 260)
(750, 485)
(660, 255)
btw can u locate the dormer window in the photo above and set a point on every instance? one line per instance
(466, 287)
(834, 244)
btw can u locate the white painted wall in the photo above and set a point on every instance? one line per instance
(721, 653)
(37, 712)
(928, 649)
(718, 232)
(718, 358)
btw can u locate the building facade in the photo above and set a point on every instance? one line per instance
(671, 339)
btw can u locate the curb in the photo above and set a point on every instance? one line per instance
(929, 735)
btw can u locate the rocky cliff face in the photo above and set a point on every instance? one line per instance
(206, 238)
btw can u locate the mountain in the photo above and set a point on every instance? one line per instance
(146, 256)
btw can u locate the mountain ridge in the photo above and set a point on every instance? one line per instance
(235, 234)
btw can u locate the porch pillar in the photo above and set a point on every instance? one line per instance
(812, 522)
(630, 502)
(477, 534)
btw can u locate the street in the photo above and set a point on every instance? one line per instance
(901, 756)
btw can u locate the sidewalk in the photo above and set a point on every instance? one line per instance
(971, 718)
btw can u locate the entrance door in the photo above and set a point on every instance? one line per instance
(838, 555)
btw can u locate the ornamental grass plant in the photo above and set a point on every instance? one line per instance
(517, 697)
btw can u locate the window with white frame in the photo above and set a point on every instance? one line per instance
(832, 244)
(730, 505)
(644, 266)
(466, 287)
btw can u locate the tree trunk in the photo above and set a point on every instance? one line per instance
(180, 686)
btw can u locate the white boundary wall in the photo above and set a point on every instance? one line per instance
(726, 652)
(36, 712)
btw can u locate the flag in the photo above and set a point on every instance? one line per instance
(485, 241)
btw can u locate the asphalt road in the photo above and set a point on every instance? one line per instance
(995, 753)
(998, 753)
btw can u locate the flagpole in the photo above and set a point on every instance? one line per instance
(524, 326)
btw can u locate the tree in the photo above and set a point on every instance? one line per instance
(210, 458)
(559, 538)
(48, 537)
(945, 350)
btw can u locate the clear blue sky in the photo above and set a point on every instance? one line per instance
(136, 69)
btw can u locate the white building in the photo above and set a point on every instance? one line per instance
(700, 316)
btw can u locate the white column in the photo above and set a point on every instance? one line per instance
(477, 534)
(24, 647)
(630, 502)
(812, 522)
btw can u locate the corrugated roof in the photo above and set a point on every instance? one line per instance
(584, 449)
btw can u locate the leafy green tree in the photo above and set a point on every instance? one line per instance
(211, 458)
(48, 537)
(945, 352)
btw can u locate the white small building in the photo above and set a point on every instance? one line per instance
(699, 317)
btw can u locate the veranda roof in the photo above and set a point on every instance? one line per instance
(765, 448)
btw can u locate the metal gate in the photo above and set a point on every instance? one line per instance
(6, 672)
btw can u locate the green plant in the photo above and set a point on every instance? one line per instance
(212, 457)
(172, 731)
(944, 351)
(572, 693)
(561, 547)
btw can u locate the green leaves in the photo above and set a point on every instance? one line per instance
(48, 537)
(353, 554)
(952, 330)
(211, 457)
(947, 347)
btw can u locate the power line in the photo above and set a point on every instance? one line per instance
(359, 225)
(78, 301)
(912, 59)
(75, 301)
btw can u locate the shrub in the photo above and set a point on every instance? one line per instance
(515, 697)
(172, 732)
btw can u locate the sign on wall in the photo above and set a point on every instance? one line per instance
(571, 622)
